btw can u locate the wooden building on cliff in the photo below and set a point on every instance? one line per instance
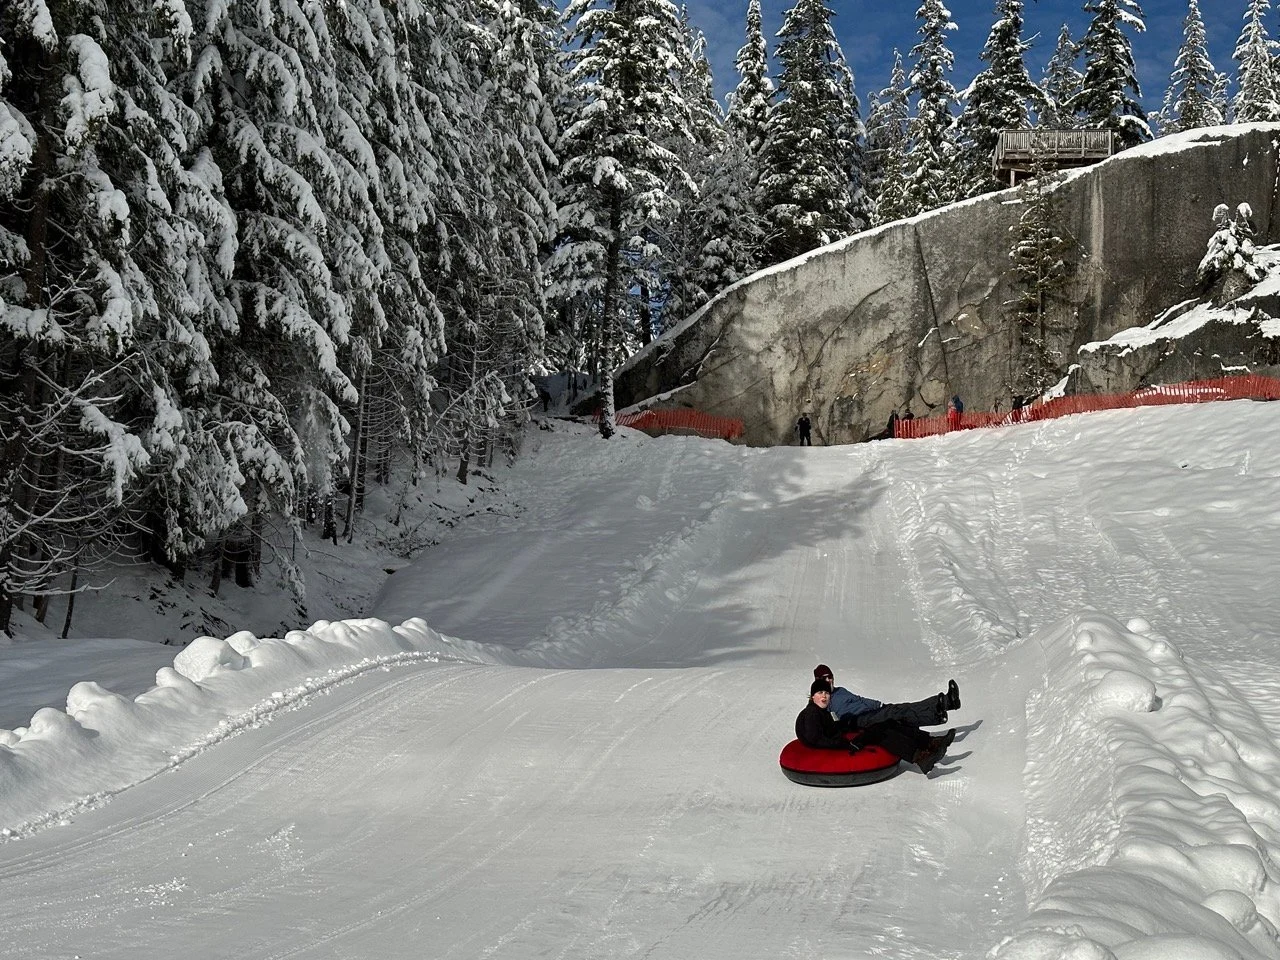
(1018, 151)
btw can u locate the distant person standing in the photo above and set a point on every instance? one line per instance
(955, 407)
(904, 426)
(805, 430)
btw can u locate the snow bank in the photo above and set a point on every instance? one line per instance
(1153, 828)
(64, 761)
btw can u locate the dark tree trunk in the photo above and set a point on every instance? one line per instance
(71, 597)
(464, 458)
(645, 319)
(329, 526)
(28, 60)
(219, 563)
(612, 293)
(355, 466)
(241, 555)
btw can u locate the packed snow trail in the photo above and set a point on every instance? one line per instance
(596, 776)
(464, 811)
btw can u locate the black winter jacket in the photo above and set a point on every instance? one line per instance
(816, 728)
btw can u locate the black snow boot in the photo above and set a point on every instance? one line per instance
(953, 695)
(926, 757)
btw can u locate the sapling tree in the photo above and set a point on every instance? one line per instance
(1039, 256)
(1229, 266)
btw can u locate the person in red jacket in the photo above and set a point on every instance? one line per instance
(816, 728)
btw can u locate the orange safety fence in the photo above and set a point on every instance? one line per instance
(1244, 387)
(682, 418)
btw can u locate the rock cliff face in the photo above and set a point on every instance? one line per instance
(904, 316)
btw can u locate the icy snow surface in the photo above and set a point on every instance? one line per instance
(568, 748)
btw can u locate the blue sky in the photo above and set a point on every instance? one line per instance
(869, 30)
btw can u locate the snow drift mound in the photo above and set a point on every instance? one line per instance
(104, 742)
(1153, 828)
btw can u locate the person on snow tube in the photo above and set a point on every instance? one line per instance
(856, 712)
(818, 729)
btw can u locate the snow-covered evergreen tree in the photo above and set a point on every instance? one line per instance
(1219, 97)
(497, 331)
(396, 340)
(233, 255)
(95, 240)
(733, 187)
(1258, 95)
(812, 181)
(1190, 100)
(617, 168)
(930, 167)
(185, 226)
(886, 144)
(1001, 97)
(264, 87)
(733, 229)
(752, 99)
(1229, 266)
(677, 277)
(1061, 85)
(1109, 92)
(1039, 255)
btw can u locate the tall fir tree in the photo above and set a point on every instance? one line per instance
(742, 165)
(1220, 98)
(241, 259)
(1190, 101)
(732, 190)
(677, 278)
(752, 99)
(617, 168)
(193, 495)
(1001, 97)
(1038, 252)
(931, 163)
(1109, 92)
(100, 222)
(263, 86)
(886, 143)
(733, 229)
(495, 328)
(812, 180)
(1061, 85)
(398, 329)
(1258, 95)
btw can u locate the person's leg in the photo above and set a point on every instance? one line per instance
(922, 713)
(901, 739)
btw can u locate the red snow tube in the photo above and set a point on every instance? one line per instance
(836, 768)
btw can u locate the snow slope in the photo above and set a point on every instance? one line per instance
(569, 746)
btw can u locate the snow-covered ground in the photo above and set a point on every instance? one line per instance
(568, 745)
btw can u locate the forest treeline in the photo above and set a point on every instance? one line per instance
(256, 255)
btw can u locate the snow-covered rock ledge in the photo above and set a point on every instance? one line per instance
(1153, 825)
(103, 743)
